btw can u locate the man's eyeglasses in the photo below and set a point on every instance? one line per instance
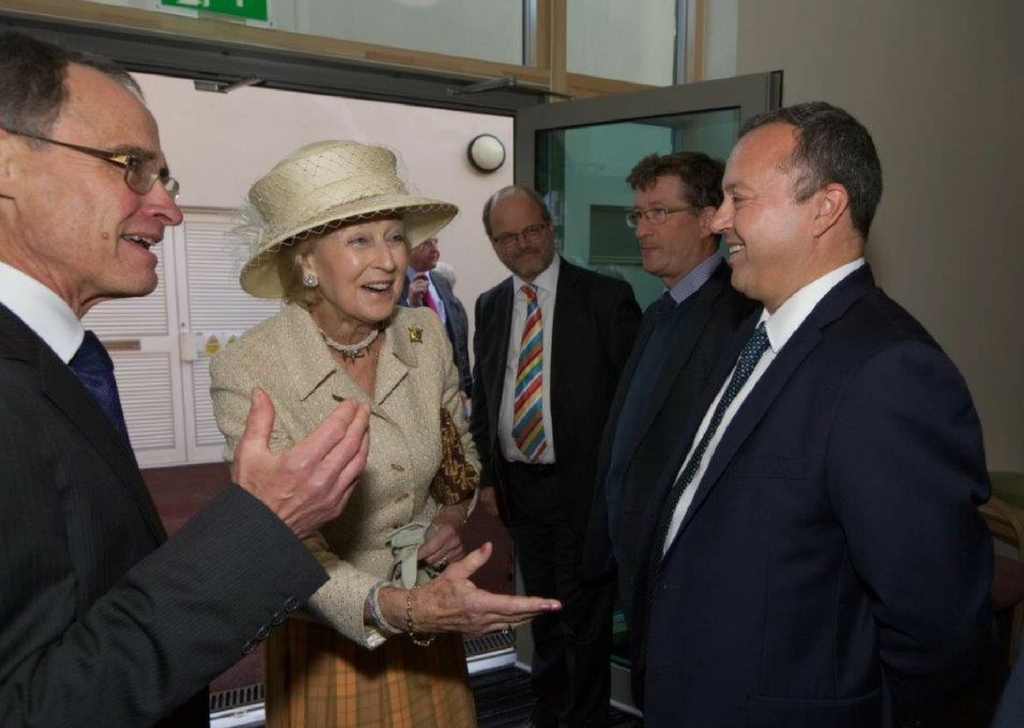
(657, 215)
(140, 172)
(533, 233)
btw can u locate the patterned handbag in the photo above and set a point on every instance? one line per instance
(456, 479)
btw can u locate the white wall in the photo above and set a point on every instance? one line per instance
(218, 144)
(938, 83)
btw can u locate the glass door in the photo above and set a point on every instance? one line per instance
(577, 155)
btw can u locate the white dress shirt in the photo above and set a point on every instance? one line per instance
(42, 310)
(779, 326)
(546, 283)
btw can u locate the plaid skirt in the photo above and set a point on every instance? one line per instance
(316, 678)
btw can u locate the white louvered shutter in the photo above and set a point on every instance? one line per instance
(212, 309)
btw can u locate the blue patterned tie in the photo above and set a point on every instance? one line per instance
(94, 367)
(751, 354)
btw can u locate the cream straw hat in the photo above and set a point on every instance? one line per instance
(311, 190)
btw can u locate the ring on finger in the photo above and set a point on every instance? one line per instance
(442, 563)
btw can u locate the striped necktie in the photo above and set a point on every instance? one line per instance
(528, 410)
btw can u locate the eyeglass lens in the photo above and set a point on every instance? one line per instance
(530, 232)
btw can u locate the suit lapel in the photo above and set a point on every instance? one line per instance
(499, 332)
(568, 314)
(60, 385)
(682, 350)
(782, 369)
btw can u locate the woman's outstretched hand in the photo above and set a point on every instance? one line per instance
(452, 603)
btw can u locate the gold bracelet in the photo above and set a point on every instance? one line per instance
(409, 627)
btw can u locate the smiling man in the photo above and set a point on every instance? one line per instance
(814, 556)
(104, 620)
(682, 337)
(550, 343)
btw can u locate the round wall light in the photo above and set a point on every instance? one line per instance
(486, 152)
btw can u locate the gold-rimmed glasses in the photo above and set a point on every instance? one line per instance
(141, 169)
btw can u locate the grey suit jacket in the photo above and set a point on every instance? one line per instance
(99, 612)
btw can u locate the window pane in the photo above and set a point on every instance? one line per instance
(489, 30)
(622, 40)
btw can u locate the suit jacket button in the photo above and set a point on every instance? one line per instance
(292, 604)
(263, 632)
(277, 619)
(248, 647)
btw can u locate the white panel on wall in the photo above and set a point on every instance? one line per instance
(144, 382)
(213, 309)
(214, 257)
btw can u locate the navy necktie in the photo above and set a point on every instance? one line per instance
(751, 354)
(94, 367)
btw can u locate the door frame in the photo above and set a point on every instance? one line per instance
(751, 94)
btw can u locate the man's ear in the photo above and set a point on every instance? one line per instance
(10, 153)
(704, 218)
(832, 202)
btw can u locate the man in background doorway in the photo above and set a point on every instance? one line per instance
(682, 337)
(425, 288)
(550, 344)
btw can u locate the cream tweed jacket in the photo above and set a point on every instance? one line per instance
(416, 376)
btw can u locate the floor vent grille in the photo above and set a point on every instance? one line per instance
(493, 642)
(236, 698)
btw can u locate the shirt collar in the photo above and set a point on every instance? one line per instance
(787, 318)
(42, 310)
(546, 281)
(692, 281)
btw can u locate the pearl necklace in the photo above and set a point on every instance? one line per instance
(351, 351)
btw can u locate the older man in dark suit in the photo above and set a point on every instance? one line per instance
(814, 553)
(682, 337)
(104, 621)
(550, 345)
(424, 288)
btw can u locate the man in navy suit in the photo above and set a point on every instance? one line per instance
(814, 553)
(104, 621)
(682, 337)
(423, 288)
(550, 344)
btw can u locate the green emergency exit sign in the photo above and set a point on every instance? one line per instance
(251, 9)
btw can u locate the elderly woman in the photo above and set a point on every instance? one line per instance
(333, 225)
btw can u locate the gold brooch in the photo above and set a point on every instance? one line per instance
(415, 335)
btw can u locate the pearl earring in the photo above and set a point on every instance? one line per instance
(309, 280)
